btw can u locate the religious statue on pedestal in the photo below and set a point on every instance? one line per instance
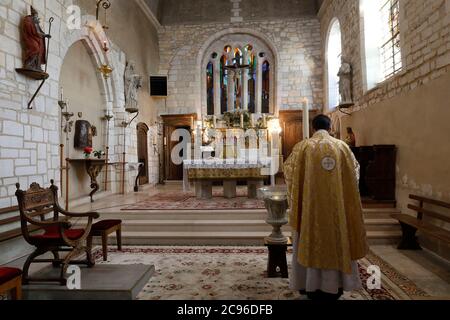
(133, 82)
(33, 38)
(345, 84)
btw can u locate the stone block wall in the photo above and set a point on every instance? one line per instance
(298, 52)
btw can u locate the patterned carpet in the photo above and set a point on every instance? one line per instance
(188, 201)
(238, 273)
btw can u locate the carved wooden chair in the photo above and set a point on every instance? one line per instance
(56, 235)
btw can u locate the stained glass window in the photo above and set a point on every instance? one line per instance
(210, 88)
(252, 82)
(266, 87)
(223, 85)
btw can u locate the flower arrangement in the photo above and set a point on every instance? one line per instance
(99, 154)
(88, 152)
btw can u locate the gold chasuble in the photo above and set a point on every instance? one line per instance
(325, 204)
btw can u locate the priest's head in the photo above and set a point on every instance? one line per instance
(321, 122)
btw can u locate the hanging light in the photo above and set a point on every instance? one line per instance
(105, 69)
(105, 4)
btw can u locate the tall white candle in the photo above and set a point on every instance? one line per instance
(305, 118)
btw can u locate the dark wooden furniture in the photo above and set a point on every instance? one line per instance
(103, 229)
(11, 281)
(291, 122)
(172, 123)
(378, 171)
(410, 225)
(57, 235)
(93, 169)
(277, 259)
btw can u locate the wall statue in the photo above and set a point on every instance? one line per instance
(83, 134)
(33, 38)
(133, 82)
(345, 84)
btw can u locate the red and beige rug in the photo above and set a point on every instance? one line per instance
(238, 273)
(188, 201)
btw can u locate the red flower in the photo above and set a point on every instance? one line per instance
(88, 150)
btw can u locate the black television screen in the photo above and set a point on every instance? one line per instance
(158, 86)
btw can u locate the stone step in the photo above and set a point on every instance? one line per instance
(186, 215)
(230, 225)
(226, 238)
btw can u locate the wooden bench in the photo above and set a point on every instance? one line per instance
(410, 225)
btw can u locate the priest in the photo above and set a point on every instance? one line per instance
(325, 214)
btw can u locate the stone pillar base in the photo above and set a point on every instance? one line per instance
(203, 189)
(229, 189)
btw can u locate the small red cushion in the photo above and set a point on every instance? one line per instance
(105, 225)
(52, 233)
(7, 274)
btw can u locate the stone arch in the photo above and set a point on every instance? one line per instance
(93, 37)
(201, 58)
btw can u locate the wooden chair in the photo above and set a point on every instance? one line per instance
(11, 281)
(57, 236)
(410, 225)
(103, 229)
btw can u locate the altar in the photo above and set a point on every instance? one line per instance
(203, 173)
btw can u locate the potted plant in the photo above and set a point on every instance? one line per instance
(99, 154)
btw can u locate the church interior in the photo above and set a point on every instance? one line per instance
(148, 138)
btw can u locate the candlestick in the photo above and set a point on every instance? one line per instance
(242, 121)
(305, 119)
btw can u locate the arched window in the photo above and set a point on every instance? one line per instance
(253, 67)
(240, 73)
(266, 87)
(333, 55)
(210, 88)
(223, 85)
(382, 56)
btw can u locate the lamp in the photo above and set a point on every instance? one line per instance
(105, 4)
(105, 69)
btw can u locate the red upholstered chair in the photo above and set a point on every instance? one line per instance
(11, 281)
(56, 234)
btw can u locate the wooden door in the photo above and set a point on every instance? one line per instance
(142, 142)
(292, 125)
(172, 171)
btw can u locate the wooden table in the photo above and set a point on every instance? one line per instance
(93, 169)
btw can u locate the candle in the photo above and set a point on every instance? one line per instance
(214, 122)
(264, 121)
(242, 121)
(305, 119)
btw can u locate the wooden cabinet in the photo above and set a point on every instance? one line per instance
(378, 171)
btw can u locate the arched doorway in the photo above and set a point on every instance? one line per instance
(142, 144)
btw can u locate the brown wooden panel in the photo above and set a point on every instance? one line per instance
(171, 123)
(430, 201)
(429, 213)
(142, 145)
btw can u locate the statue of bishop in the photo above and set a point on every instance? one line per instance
(345, 84)
(33, 38)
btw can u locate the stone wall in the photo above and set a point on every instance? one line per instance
(30, 139)
(207, 11)
(410, 109)
(295, 43)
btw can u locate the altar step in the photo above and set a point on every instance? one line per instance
(226, 227)
(230, 225)
(231, 238)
